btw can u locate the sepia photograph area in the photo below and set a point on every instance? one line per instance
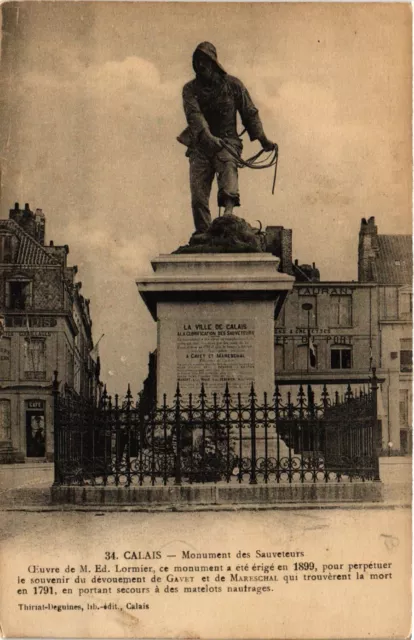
(205, 320)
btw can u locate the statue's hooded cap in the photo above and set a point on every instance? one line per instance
(210, 51)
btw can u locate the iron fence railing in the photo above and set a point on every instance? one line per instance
(290, 437)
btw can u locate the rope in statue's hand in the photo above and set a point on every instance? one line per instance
(254, 162)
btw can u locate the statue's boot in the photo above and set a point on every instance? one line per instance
(228, 208)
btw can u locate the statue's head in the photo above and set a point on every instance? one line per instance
(205, 61)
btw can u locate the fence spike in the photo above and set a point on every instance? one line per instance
(277, 395)
(277, 400)
(325, 396)
(301, 397)
(348, 393)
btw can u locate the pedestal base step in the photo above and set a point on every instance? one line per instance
(219, 494)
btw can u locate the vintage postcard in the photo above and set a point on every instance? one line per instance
(205, 320)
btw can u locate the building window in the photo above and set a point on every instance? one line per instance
(341, 311)
(5, 420)
(35, 359)
(389, 303)
(405, 304)
(5, 358)
(307, 317)
(405, 428)
(403, 407)
(341, 358)
(406, 356)
(18, 294)
(5, 249)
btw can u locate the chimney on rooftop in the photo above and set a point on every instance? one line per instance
(33, 223)
(367, 250)
(279, 243)
(40, 221)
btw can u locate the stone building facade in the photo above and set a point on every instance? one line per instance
(340, 320)
(386, 260)
(338, 331)
(45, 326)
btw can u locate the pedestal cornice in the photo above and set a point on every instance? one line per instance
(214, 277)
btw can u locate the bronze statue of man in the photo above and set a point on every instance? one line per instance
(211, 102)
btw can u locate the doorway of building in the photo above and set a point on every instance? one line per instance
(35, 434)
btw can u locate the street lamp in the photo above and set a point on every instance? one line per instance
(307, 306)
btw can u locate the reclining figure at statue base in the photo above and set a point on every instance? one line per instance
(227, 234)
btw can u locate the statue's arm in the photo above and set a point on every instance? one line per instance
(248, 112)
(250, 117)
(195, 119)
(197, 124)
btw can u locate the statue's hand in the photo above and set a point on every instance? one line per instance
(210, 142)
(268, 145)
(217, 143)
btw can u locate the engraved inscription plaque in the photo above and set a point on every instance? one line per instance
(215, 352)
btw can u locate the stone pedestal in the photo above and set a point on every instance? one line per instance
(215, 316)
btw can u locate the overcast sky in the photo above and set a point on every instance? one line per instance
(91, 106)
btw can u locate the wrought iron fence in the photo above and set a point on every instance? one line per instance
(284, 439)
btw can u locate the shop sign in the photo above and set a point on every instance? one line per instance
(35, 404)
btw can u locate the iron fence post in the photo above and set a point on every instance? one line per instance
(277, 402)
(229, 470)
(55, 391)
(240, 432)
(266, 451)
(128, 434)
(178, 432)
(376, 430)
(141, 420)
(202, 397)
(253, 478)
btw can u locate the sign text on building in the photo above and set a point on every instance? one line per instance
(214, 353)
(35, 404)
(331, 291)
